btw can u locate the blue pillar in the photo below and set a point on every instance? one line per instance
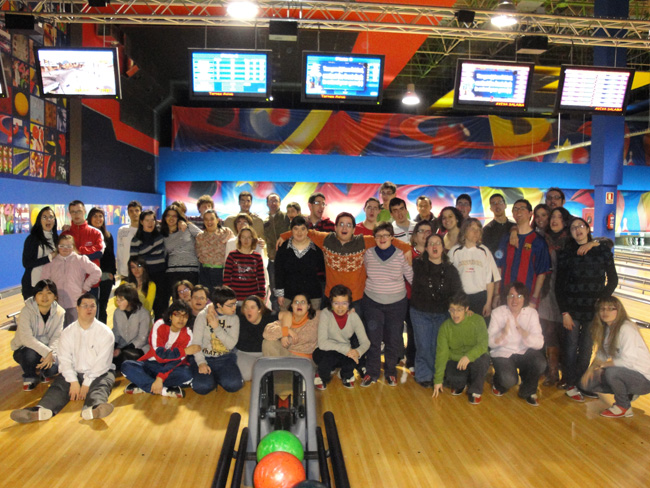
(607, 131)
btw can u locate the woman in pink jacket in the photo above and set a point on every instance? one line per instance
(73, 275)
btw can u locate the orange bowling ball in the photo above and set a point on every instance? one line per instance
(278, 470)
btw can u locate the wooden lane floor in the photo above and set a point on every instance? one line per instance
(391, 437)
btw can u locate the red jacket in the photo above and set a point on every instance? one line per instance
(89, 242)
(172, 357)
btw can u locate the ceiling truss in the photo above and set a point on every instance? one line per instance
(354, 16)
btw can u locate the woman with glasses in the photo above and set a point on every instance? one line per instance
(622, 362)
(296, 331)
(130, 325)
(581, 281)
(39, 249)
(385, 304)
(476, 267)
(182, 290)
(97, 219)
(73, 275)
(516, 344)
(421, 231)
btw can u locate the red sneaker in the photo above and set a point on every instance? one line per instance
(616, 412)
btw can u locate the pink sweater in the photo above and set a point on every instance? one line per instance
(73, 276)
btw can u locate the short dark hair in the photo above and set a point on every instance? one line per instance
(345, 214)
(555, 188)
(129, 292)
(387, 226)
(388, 185)
(423, 197)
(271, 194)
(314, 196)
(259, 302)
(222, 294)
(297, 221)
(371, 199)
(76, 202)
(464, 196)
(295, 206)
(244, 194)
(339, 291)
(497, 195)
(523, 200)
(134, 203)
(520, 288)
(86, 296)
(202, 288)
(177, 306)
(395, 202)
(460, 298)
(203, 199)
(46, 285)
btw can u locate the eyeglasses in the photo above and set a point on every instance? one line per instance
(553, 197)
(387, 192)
(63, 246)
(497, 204)
(608, 309)
(179, 315)
(511, 296)
(184, 290)
(300, 302)
(463, 204)
(578, 226)
(230, 304)
(425, 231)
(320, 204)
(340, 304)
(519, 209)
(88, 306)
(48, 217)
(457, 309)
(382, 236)
(345, 225)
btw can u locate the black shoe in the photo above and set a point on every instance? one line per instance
(589, 394)
(425, 384)
(457, 391)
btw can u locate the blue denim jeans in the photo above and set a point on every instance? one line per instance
(577, 353)
(210, 277)
(224, 372)
(425, 328)
(28, 360)
(144, 373)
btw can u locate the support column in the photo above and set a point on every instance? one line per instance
(607, 131)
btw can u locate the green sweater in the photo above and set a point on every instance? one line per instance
(469, 338)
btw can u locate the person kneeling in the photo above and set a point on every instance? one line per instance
(622, 362)
(462, 351)
(164, 369)
(516, 342)
(85, 354)
(216, 331)
(336, 327)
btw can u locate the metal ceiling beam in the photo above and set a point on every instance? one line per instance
(350, 16)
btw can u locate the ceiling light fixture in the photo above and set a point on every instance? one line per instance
(504, 17)
(410, 97)
(243, 10)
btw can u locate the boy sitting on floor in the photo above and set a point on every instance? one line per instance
(85, 354)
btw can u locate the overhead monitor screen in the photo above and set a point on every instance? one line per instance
(218, 74)
(78, 72)
(594, 89)
(332, 77)
(493, 85)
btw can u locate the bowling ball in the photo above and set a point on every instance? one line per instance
(280, 440)
(310, 484)
(278, 470)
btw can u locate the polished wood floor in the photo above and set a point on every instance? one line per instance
(391, 437)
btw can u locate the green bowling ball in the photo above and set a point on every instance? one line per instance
(280, 440)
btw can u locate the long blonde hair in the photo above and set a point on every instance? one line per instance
(598, 326)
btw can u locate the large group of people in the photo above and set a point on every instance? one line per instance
(199, 300)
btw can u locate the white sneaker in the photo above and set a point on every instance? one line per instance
(26, 415)
(97, 412)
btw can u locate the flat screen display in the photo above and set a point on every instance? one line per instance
(229, 75)
(337, 77)
(492, 85)
(78, 72)
(594, 89)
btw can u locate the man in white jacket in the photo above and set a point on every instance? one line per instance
(85, 355)
(516, 343)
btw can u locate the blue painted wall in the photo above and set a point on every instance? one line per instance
(21, 191)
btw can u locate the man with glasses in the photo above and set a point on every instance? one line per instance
(85, 355)
(464, 204)
(315, 220)
(529, 262)
(494, 231)
(555, 198)
(462, 352)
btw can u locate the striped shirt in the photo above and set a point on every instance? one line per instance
(181, 252)
(151, 247)
(384, 283)
(244, 273)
